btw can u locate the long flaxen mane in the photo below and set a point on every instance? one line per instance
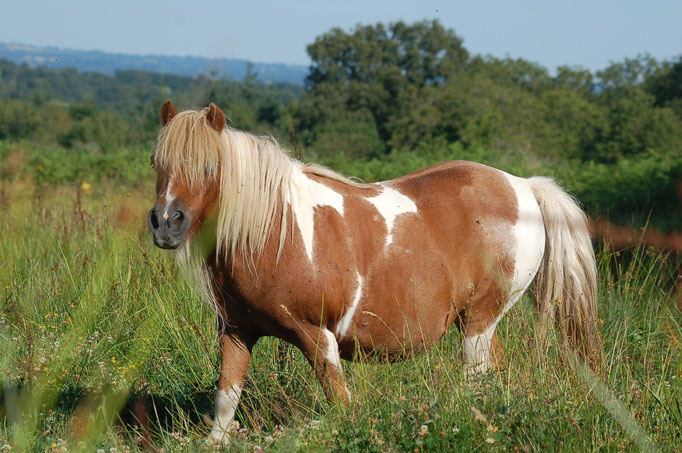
(255, 177)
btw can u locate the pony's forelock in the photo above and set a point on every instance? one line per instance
(189, 146)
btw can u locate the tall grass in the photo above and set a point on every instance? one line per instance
(95, 322)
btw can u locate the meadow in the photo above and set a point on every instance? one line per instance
(104, 346)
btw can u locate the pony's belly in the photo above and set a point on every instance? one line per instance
(393, 341)
(396, 324)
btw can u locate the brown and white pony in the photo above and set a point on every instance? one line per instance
(333, 266)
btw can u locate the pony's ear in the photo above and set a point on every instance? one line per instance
(215, 117)
(167, 112)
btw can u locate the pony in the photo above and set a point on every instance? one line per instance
(337, 267)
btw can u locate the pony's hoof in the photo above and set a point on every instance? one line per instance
(472, 372)
(221, 436)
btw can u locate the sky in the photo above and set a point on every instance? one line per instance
(582, 33)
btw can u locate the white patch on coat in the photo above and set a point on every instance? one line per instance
(529, 235)
(304, 195)
(169, 199)
(390, 203)
(332, 354)
(225, 406)
(343, 325)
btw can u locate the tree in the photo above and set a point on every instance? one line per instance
(666, 86)
(374, 67)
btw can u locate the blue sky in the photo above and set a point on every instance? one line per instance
(552, 33)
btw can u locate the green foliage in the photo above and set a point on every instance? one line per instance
(16, 121)
(57, 165)
(666, 86)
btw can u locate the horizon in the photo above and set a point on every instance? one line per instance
(578, 35)
(36, 46)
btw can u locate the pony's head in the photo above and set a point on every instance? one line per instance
(187, 163)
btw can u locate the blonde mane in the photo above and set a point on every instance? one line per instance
(255, 179)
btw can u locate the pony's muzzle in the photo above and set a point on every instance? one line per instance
(169, 226)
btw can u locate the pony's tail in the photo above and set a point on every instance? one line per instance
(566, 284)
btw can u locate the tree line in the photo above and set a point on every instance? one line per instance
(383, 99)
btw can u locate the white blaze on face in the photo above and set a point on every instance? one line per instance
(343, 325)
(390, 203)
(306, 194)
(169, 199)
(225, 405)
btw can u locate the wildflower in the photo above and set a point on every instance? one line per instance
(490, 440)
(85, 186)
(492, 428)
(423, 431)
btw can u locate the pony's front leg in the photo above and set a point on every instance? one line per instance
(320, 347)
(235, 358)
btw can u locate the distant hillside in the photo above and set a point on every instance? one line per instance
(108, 63)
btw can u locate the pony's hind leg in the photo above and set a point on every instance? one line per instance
(320, 347)
(235, 358)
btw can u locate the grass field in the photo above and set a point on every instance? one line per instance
(96, 322)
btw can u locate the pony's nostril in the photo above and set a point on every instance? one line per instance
(176, 219)
(153, 218)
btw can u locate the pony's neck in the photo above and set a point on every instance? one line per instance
(261, 185)
(255, 183)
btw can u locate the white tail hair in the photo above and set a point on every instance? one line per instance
(566, 284)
